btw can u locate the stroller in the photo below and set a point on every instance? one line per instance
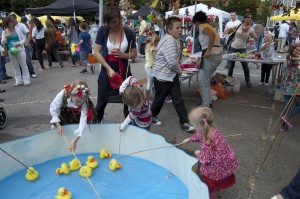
(3, 118)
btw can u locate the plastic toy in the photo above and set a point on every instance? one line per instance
(85, 171)
(74, 164)
(31, 174)
(63, 193)
(91, 162)
(104, 154)
(113, 165)
(14, 51)
(64, 169)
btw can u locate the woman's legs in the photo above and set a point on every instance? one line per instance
(40, 45)
(149, 81)
(209, 66)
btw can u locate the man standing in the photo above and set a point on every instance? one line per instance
(259, 31)
(283, 32)
(142, 36)
(25, 31)
(231, 25)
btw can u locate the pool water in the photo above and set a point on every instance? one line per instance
(138, 179)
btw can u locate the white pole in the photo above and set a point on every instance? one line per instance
(194, 29)
(74, 11)
(100, 13)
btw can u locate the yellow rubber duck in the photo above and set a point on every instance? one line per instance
(91, 162)
(114, 164)
(104, 154)
(85, 171)
(64, 169)
(74, 164)
(31, 174)
(63, 193)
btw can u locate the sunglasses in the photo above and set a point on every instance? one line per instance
(248, 17)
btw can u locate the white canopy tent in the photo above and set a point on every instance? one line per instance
(213, 11)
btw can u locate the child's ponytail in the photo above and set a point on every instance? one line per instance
(206, 129)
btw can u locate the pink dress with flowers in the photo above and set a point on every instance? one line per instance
(217, 159)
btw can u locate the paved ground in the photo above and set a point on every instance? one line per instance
(251, 113)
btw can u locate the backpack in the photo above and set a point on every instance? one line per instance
(58, 36)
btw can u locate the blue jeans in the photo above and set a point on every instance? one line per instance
(208, 67)
(28, 60)
(244, 64)
(292, 190)
(295, 108)
(259, 41)
(141, 39)
(2, 68)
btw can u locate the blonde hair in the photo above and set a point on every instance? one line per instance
(151, 44)
(133, 96)
(203, 116)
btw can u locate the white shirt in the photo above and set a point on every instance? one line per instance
(111, 45)
(231, 24)
(38, 34)
(204, 39)
(23, 28)
(283, 30)
(55, 112)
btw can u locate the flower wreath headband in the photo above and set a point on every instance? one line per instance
(80, 90)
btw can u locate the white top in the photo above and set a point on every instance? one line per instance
(143, 26)
(124, 45)
(20, 35)
(55, 112)
(38, 34)
(231, 24)
(23, 28)
(156, 27)
(283, 30)
(204, 39)
(241, 38)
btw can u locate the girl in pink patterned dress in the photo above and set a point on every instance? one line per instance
(215, 156)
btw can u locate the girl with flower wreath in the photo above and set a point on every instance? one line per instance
(72, 105)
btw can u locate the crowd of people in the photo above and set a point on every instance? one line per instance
(115, 46)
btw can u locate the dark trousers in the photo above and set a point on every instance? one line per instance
(292, 191)
(40, 46)
(162, 90)
(244, 64)
(52, 52)
(28, 60)
(265, 72)
(104, 93)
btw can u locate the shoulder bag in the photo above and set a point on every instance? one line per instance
(231, 37)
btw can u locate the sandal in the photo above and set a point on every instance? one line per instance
(2, 90)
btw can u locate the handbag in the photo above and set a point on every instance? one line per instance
(116, 80)
(231, 37)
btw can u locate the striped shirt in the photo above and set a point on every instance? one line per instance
(141, 115)
(166, 64)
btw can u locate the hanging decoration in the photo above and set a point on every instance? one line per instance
(127, 7)
(290, 10)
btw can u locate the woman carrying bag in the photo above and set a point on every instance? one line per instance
(113, 47)
(238, 44)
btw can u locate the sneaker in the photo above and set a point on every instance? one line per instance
(260, 83)
(249, 84)
(27, 84)
(187, 127)
(287, 121)
(168, 99)
(156, 121)
(93, 69)
(41, 69)
(83, 71)
(277, 197)
(285, 127)
(34, 75)
(18, 84)
(266, 84)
